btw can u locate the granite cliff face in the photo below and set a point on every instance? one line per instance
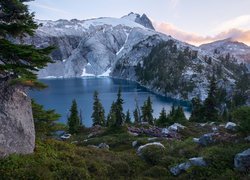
(17, 133)
(116, 46)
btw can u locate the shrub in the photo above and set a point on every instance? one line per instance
(242, 117)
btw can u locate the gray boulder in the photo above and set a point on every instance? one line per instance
(231, 126)
(206, 139)
(180, 168)
(242, 160)
(103, 146)
(247, 138)
(134, 143)
(196, 161)
(158, 144)
(17, 133)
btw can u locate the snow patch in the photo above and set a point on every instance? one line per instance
(84, 74)
(105, 74)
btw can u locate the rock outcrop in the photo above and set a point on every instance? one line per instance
(242, 160)
(17, 132)
(196, 161)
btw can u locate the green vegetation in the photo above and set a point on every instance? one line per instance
(128, 118)
(18, 61)
(45, 121)
(98, 115)
(74, 119)
(176, 115)
(62, 160)
(147, 112)
(164, 67)
(242, 117)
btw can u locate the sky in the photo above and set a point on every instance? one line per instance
(192, 21)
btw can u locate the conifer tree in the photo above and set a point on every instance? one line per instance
(74, 119)
(136, 116)
(210, 110)
(197, 114)
(163, 119)
(119, 115)
(98, 115)
(179, 116)
(18, 61)
(111, 119)
(147, 111)
(128, 118)
(45, 120)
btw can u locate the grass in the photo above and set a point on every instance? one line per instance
(54, 159)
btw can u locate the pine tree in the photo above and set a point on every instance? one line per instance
(111, 119)
(136, 116)
(119, 115)
(147, 111)
(128, 118)
(163, 119)
(197, 114)
(74, 119)
(98, 115)
(19, 61)
(45, 121)
(210, 110)
(179, 116)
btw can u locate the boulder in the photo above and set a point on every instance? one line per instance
(176, 127)
(196, 161)
(134, 143)
(180, 168)
(165, 131)
(206, 139)
(247, 138)
(242, 160)
(17, 132)
(152, 139)
(230, 126)
(103, 146)
(139, 150)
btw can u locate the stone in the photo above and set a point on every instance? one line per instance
(165, 131)
(133, 133)
(247, 138)
(196, 140)
(103, 146)
(230, 126)
(196, 161)
(134, 143)
(152, 139)
(17, 132)
(180, 168)
(139, 150)
(176, 127)
(242, 160)
(206, 139)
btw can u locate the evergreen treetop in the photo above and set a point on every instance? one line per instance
(20, 61)
(74, 119)
(98, 115)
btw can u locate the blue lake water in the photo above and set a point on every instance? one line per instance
(61, 92)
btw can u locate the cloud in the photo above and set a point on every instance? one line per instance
(196, 39)
(239, 22)
(49, 8)
(174, 3)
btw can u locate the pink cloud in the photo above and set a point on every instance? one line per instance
(195, 39)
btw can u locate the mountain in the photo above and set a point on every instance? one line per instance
(129, 48)
(237, 49)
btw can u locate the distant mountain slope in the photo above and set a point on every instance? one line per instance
(128, 48)
(238, 49)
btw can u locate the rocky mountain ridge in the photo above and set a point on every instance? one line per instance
(116, 46)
